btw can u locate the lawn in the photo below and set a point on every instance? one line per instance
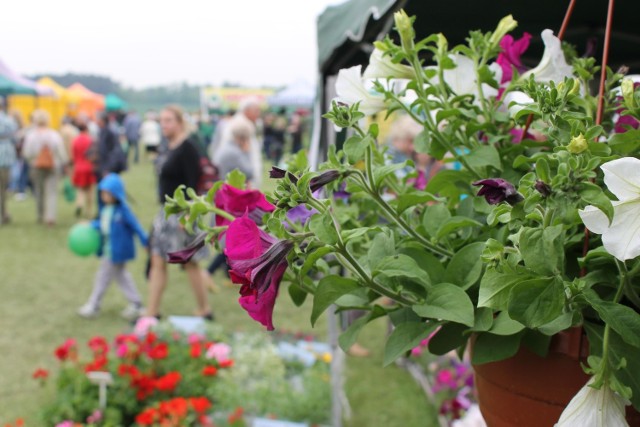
(42, 284)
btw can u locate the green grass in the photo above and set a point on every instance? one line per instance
(42, 284)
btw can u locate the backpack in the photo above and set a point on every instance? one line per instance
(44, 160)
(208, 175)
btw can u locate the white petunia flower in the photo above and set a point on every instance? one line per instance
(621, 238)
(519, 99)
(553, 65)
(381, 67)
(594, 408)
(463, 80)
(350, 88)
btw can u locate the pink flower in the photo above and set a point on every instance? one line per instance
(194, 338)
(219, 351)
(236, 202)
(509, 57)
(94, 418)
(144, 325)
(258, 262)
(67, 423)
(122, 350)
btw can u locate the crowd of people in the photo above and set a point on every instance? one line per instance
(91, 153)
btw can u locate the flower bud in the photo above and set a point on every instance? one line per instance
(506, 25)
(404, 26)
(577, 145)
(542, 188)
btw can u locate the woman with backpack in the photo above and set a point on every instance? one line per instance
(47, 157)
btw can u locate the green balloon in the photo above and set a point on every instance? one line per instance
(84, 240)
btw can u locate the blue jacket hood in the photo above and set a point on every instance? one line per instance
(114, 185)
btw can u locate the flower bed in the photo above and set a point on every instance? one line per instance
(161, 375)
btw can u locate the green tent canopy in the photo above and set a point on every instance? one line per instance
(113, 102)
(9, 87)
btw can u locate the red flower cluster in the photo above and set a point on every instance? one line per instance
(40, 374)
(173, 412)
(209, 371)
(146, 384)
(67, 351)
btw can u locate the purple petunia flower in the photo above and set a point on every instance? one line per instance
(496, 190)
(183, 256)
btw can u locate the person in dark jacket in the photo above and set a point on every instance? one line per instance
(111, 157)
(118, 226)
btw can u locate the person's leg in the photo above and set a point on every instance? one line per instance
(194, 274)
(4, 186)
(136, 150)
(218, 261)
(157, 284)
(90, 191)
(50, 197)
(37, 178)
(101, 283)
(81, 201)
(126, 283)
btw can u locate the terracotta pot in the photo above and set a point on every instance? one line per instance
(530, 391)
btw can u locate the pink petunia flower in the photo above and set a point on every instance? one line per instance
(236, 202)
(509, 57)
(219, 351)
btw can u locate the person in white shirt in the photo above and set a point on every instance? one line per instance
(150, 134)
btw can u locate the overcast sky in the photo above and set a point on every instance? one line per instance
(148, 42)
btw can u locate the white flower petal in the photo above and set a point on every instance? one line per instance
(594, 219)
(622, 177)
(553, 65)
(594, 408)
(622, 239)
(350, 89)
(381, 67)
(520, 100)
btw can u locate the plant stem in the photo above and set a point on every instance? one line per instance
(221, 213)
(622, 268)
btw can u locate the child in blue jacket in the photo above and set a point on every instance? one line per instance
(117, 225)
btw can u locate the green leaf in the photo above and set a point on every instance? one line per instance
(434, 217)
(383, 245)
(428, 262)
(297, 294)
(504, 325)
(236, 179)
(543, 250)
(491, 348)
(445, 182)
(322, 226)
(622, 319)
(496, 286)
(405, 201)
(625, 143)
(403, 315)
(329, 290)
(536, 302)
(402, 266)
(449, 337)
(422, 142)
(536, 342)
(593, 194)
(355, 147)
(312, 257)
(404, 337)
(447, 302)
(560, 323)
(483, 319)
(465, 267)
(455, 223)
(485, 155)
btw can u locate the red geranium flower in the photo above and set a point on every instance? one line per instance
(196, 350)
(40, 374)
(168, 382)
(226, 363)
(98, 345)
(209, 371)
(200, 404)
(147, 417)
(159, 351)
(67, 350)
(98, 364)
(258, 262)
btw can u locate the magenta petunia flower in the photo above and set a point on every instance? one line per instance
(496, 190)
(509, 57)
(258, 262)
(236, 202)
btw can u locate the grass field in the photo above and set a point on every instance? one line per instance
(42, 284)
